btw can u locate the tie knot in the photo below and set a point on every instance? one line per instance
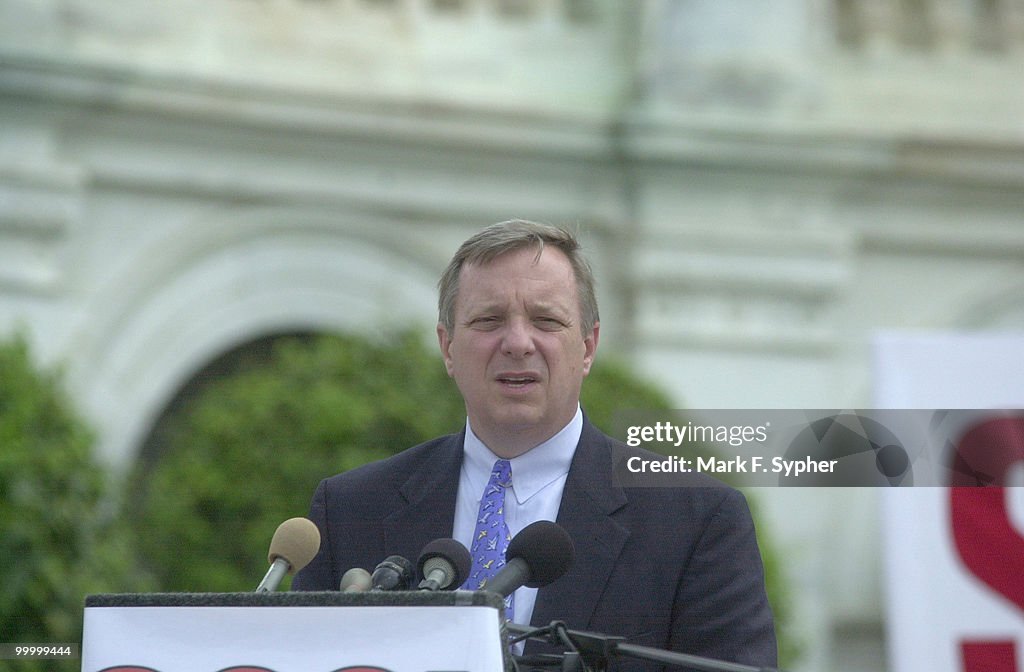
(501, 473)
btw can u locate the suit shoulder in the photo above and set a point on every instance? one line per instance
(622, 454)
(393, 471)
(692, 491)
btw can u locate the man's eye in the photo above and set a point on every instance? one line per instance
(549, 323)
(485, 322)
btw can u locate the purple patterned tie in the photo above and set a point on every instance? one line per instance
(491, 537)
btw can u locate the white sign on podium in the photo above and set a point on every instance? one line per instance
(293, 632)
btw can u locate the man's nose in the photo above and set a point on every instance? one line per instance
(518, 338)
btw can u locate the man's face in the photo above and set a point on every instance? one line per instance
(516, 351)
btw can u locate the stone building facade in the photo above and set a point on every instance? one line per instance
(762, 185)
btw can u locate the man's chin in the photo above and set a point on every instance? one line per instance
(512, 435)
(520, 423)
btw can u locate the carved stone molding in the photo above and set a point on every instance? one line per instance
(38, 207)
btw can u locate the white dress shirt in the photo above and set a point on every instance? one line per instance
(538, 478)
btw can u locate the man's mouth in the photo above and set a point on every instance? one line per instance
(517, 381)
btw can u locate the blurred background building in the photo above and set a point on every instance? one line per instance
(763, 186)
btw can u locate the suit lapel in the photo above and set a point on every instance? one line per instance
(589, 499)
(429, 494)
(588, 502)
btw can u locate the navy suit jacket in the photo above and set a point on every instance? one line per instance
(673, 568)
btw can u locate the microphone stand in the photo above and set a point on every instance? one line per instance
(600, 649)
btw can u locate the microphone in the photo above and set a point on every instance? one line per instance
(444, 564)
(394, 573)
(295, 542)
(355, 580)
(539, 554)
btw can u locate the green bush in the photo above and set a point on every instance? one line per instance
(59, 539)
(247, 449)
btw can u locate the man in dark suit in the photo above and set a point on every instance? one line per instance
(674, 568)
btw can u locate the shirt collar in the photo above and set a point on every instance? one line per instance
(533, 470)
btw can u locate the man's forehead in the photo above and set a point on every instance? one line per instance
(530, 256)
(488, 287)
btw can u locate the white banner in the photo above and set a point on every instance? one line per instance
(955, 557)
(291, 639)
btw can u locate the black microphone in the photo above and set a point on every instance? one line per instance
(444, 564)
(295, 542)
(539, 554)
(394, 573)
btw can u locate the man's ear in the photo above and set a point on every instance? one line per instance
(590, 347)
(444, 341)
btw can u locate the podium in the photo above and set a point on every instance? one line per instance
(413, 631)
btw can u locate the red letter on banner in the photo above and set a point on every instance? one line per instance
(985, 538)
(988, 656)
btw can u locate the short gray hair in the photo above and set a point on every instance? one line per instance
(498, 239)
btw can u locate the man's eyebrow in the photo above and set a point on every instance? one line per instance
(485, 307)
(499, 307)
(549, 307)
